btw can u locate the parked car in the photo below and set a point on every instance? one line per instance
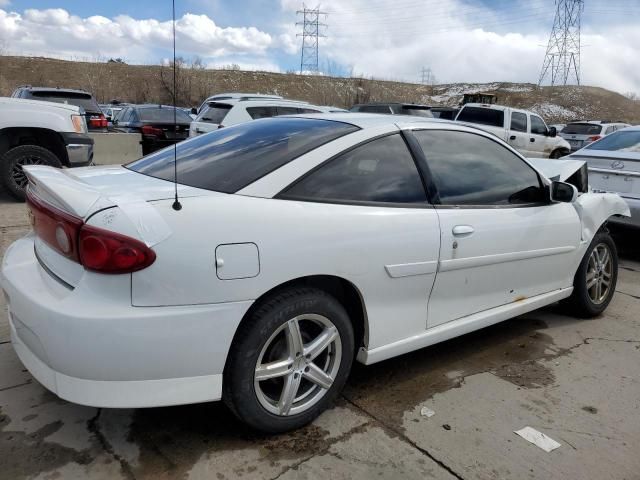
(523, 130)
(234, 96)
(223, 113)
(40, 133)
(614, 166)
(96, 120)
(394, 109)
(581, 134)
(297, 244)
(156, 125)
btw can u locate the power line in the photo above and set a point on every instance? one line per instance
(310, 37)
(562, 60)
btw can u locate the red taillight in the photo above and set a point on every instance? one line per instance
(109, 252)
(56, 228)
(94, 248)
(595, 138)
(152, 131)
(98, 121)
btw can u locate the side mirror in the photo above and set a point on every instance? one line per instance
(115, 121)
(562, 192)
(194, 111)
(553, 132)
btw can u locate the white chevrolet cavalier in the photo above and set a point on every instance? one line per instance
(302, 243)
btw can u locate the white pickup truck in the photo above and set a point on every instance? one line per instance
(523, 130)
(33, 132)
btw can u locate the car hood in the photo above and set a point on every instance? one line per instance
(557, 170)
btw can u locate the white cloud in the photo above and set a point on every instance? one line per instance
(5, 3)
(56, 32)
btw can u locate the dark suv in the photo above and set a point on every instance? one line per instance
(394, 109)
(96, 119)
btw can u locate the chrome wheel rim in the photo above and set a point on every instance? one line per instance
(298, 364)
(17, 173)
(599, 273)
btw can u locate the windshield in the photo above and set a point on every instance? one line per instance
(622, 141)
(83, 100)
(162, 115)
(582, 129)
(231, 158)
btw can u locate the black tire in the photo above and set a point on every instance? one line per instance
(256, 334)
(581, 303)
(558, 153)
(13, 179)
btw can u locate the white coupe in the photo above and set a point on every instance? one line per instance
(302, 243)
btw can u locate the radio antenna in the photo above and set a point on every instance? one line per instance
(176, 203)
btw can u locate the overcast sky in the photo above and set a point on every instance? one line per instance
(460, 40)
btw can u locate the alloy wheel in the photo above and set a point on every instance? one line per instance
(17, 173)
(298, 365)
(599, 273)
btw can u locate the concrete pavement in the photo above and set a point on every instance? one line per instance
(576, 381)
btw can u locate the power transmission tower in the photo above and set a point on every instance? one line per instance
(562, 59)
(426, 76)
(310, 34)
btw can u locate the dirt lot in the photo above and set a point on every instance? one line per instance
(577, 381)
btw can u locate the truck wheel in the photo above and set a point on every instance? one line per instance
(558, 153)
(596, 278)
(13, 177)
(289, 360)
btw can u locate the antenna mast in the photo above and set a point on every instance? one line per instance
(176, 203)
(562, 59)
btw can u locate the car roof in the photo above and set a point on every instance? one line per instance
(258, 101)
(369, 120)
(383, 104)
(56, 89)
(237, 95)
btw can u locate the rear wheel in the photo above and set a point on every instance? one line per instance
(13, 177)
(558, 153)
(289, 361)
(596, 278)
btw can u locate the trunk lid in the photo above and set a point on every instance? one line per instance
(81, 192)
(613, 171)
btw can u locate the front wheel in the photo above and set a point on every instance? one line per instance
(558, 153)
(289, 360)
(13, 177)
(596, 278)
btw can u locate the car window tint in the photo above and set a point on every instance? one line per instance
(538, 126)
(519, 122)
(470, 169)
(262, 112)
(416, 111)
(382, 170)
(288, 110)
(482, 116)
(162, 115)
(213, 113)
(622, 140)
(83, 100)
(231, 158)
(582, 129)
(125, 116)
(308, 110)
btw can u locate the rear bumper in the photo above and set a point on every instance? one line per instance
(634, 219)
(90, 346)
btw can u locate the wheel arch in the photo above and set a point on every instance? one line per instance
(341, 289)
(12, 137)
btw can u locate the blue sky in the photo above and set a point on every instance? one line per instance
(461, 40)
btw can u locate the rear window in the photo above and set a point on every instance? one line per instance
(83, 100)
(162, 115)
(482, 116)
(229, 159)
(623, 141)
(416, 111)
(582, 129)
(214, 113)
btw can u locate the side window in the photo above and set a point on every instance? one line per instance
(124, 116)
(538, 126)
(262, 112)
(288, 111)
(609, 130)
(308, 110)
(519, 122)
(470, 169)
(382, 170)
(375, 109)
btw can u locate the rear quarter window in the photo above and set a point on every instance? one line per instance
(229, 159)
(482, 116)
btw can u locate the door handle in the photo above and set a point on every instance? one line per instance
(532, 140)
(462, 230)
(512, 137)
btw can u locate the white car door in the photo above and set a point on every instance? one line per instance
(501, 240)
(519, 132)
(540, 144)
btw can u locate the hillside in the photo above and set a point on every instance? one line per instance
(138, 83)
